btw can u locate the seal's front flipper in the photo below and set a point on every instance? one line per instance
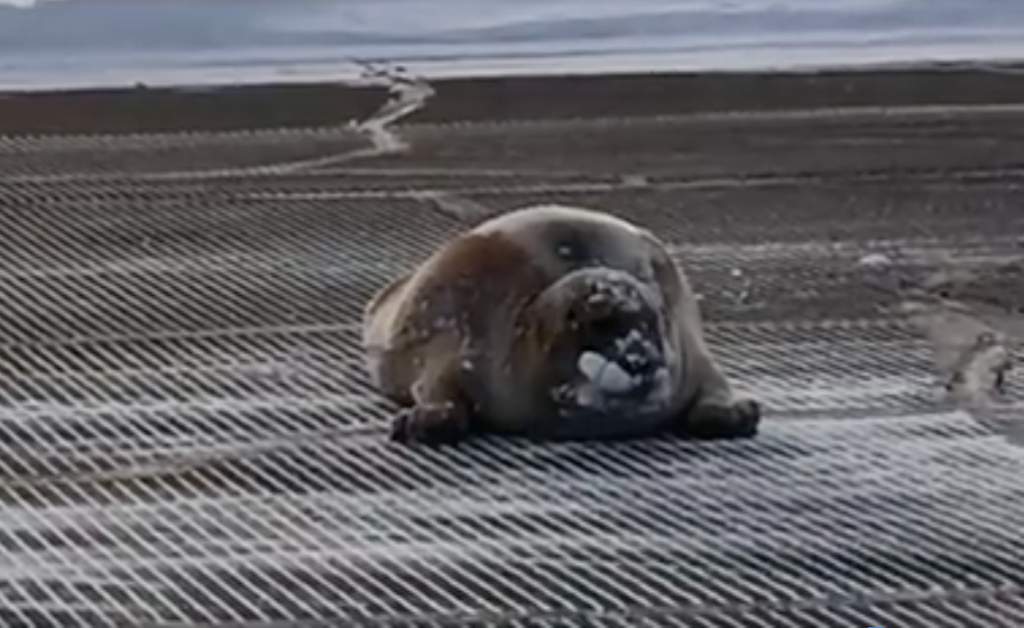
(716, 413)
(712, 421)
(436, 424)
(440, 414)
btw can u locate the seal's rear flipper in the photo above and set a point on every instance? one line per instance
(715, 412)
(720, 422)
(436, 424)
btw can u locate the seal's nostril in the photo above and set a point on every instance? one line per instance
(600, 307)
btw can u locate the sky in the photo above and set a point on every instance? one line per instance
(105, 42)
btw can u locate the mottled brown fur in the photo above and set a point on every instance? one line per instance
(421, 365)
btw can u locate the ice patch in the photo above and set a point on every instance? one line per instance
(588, 396)
(875, 261)
(615, 380)
(607, 376)
(662, 385)
(591, 364)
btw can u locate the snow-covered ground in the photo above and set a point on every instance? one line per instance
(68, 43)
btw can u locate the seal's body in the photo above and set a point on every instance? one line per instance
(552, 322)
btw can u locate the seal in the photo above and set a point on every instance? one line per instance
(549, 322)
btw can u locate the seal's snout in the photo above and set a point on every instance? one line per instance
(630, 367)
(600, 306)
(612, 294)
(621, 357)
(616, 330)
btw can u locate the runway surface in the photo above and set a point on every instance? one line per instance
(187, 436)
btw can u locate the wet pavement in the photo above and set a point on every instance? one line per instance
(188, 437)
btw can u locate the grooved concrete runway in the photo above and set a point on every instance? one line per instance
(187, 436)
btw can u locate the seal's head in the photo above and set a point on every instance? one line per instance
(604, 350)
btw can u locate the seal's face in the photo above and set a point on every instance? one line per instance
(611, 359)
